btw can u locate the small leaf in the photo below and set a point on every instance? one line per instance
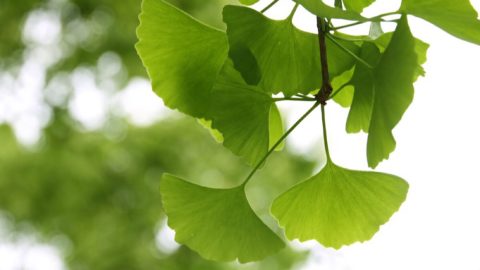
(357, 5)
(394, 76)
(458, 17)
(363, 82)
(219, 224)
(344, 96)
(317, 7)
(182, 56)
(338, 206)
(288, 58)
(421, 49)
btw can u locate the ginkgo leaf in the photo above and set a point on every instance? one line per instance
(188, 64)
(393, 83)
(182, 56)
(457, 17)
(421, 49)
(219, 224)
(287, 57)
(338, 206)
(323, 10)
(360, 112)
(357, 5)
(241, 112)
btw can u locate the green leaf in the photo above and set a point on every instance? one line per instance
(317, 7)
(394, 76)
(241, 113)
(182, 56)
(188, 65)
(275, 127)
(363, 82)
(219, 224)
(345, 92)
(421, 49)
(338, 206)
(288, 58)
(357, 5)
(458, 17)
(248, 2)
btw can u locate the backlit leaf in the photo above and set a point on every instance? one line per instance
(363, 82)
(182, 56)
(338, 206)
(241, 113)
(288, 58)
(394, 76)
(457, 17)
(187, 63)
(219, 224)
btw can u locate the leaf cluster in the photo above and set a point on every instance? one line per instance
(233, 80)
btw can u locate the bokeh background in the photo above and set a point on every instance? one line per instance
(84, 141)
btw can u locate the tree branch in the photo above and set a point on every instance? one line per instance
(326, 88)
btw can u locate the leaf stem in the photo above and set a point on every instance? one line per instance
(326, 88)
(325, 139)
(269, 6)
(372, 19)
(290, 17)
(284, 136)
(294, 99)
(358, 58)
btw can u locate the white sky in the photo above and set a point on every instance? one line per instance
(437, 153)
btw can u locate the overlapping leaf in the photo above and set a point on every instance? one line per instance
(363, 82)
(338, 206)
(219, 224)
(188, 64)
(383, 94)
(241, 113)
(458, 17)
(393, 82)
(182, 56)
(288, 58)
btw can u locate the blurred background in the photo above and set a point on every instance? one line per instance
(84, 141)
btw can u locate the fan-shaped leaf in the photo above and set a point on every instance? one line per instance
(393, 82)
(458, 17)
(182, 56)
(219, 224)
(338, 206)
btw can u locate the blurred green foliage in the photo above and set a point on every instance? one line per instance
(100, 189)
(91, 28)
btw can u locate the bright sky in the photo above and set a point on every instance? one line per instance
(437, 153)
